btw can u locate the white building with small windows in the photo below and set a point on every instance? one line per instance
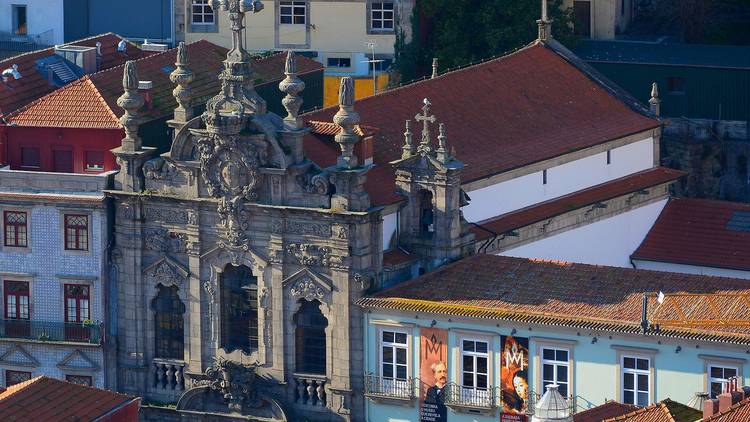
(53, 277)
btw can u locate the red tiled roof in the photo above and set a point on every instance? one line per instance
(556, 293)
(503, 114)
(396, 257)
(665, 411)
(603, 192)
(48, 399)
(332, 129)
(696, 232)
(609, 409)
(739, 412)
(95, 105)
(33, 85)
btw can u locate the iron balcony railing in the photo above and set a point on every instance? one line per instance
(458, 395)
(390, 387)
(75, 332)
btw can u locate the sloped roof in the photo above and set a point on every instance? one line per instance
(739, 412)
(46, 399)
(562, 294)
(700, 232)
(92, 101)
(528, 106)
(33, 85)
(607, 410)
(666, 410)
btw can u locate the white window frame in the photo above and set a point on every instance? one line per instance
(381, 8)
(393, 345)
(724, 380)
(205, 6)
(473, 394)
(555, 364)
(295, 7)
(635, 372)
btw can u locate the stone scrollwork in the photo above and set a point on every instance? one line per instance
(307, 289)
(162, 240)
(166, 273)
(308, 254)
(159, 169)
(315, 183)
(234, 382)
(170, 215)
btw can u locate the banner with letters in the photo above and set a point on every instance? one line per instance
(514, 378)
(433, 372)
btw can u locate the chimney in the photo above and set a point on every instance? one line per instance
(710, 408)
(731, 395)
(145, 89)
(434, 67)
(364, 150)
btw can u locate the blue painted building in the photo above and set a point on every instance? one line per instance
(500, 329)
(133, 19)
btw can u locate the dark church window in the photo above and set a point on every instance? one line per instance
(168, 318)
(426, 212)
(310, 338)
(239, 309)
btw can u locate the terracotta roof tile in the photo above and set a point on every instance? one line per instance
(557, 293)
(665, 411)
(397, 257)
(33, 85)
(503, 114)
(44, 398)
(739, 412)
(700, 232)
(609, 409)
(548, 209)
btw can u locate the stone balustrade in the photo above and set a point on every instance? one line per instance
(310, 390)
(169, 375)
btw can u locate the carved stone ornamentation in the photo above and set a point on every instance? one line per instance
(265, 304)
(166, 273)
(131, 101)
(168, 215)
(309, 254)
(161, 240)
(307, 289)
(234, 382)
(126, 211)
(159, 169)
(315, 183)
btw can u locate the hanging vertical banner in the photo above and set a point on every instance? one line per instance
(514, 378)
(433, 371)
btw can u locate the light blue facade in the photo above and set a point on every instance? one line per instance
(134, 19)
(678, 368)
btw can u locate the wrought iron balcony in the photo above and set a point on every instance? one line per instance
(74, 332)
(392, 388)
(478, 398)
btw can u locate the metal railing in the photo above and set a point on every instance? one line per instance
(458, 395)
(390, 387)
(51, 331)
(26, 42)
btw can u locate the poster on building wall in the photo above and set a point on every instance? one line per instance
(514, 378)
(433, 372)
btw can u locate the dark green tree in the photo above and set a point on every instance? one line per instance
(459, 32)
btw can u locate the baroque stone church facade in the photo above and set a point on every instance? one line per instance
(239, 261)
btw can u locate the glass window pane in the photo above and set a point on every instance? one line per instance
(468, 363)
(629, 363)
(482, 365)
(730, 372)
(716, 389)
(468, 379)
(629, 381)
(401, 356)
(481, 381)
(377, 24)
(481, 347)
(563, 389)
(643, 364)
(642, 382)
(562, 355)
(468, 346)
(401, 372)
(716, 372)
(387, 370)
(548, 372)
(562, 373)
(548, 354)
(387, 354)
(628, 397)
(388, 336)
(642, 399)
(401, 338)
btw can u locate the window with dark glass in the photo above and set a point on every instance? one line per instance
(76, 232)
(94, 160)
(381, 16)
(676, 85)
(168, 319)
(394, 350)
(310, 338)
(16, 294)
(636, 376)
(30, 157)
(79, 379)
(474, 364)
(718, 377)
(16, 377)
(15, 228)
(339, 62)
(20, 21)
(77, 310)
(292, 12)
(239, 309)
(202, 13)
(555, 369)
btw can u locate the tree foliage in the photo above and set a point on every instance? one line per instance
(459, 32)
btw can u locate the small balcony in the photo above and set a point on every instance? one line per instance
(51, 331)
(459, 396)
(382, 389)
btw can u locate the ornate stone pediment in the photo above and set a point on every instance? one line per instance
(166, 272)
(18, 356)
(234, 382)
(78, 361)
(309, 285)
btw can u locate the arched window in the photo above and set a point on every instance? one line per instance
(426, 213)
(168, 320)
(239, 309)
(310, 338)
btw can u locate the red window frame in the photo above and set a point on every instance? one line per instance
(77, 302)
(15, 375)
(79, 379)
(16, 292)
(16, 233)
(76, 233)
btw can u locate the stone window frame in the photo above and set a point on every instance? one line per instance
(304, 4)
(623, 351)
(368, 19)
(720, 361)
(76, 211)
(29, 225)
(11, 276)
(553, 343)
(201, 27)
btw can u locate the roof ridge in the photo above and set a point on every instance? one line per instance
(103, 101)
(634, 412)
(58, 91)
(93, 37)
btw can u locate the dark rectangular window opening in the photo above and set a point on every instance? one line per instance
(94, 160)
(79, 379)
(676, 85)
(16, 377)
(609, 157)
(76, 232)
(292, 12)
(544, 177)
(20, 24)
(381, 16)
(339, 62)
(62, 160)
(15, 228)
(30, 157)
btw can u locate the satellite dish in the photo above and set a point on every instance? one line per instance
(121, 46)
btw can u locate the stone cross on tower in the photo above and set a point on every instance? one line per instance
(424, 146)
(237, 10)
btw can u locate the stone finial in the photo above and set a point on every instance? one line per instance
(408, 148)
(425, 147)
(292, 86)
(434, 67)
(545, 24)
(442, 151)
(655, 103)
(347, 119)
(130, 101)
(182, 76)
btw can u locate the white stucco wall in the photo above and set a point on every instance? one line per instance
(607, 242)
(41, 15)
(389, 229)
(567, 178)
(690, 269)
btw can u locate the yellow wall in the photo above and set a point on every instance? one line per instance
(362, 88)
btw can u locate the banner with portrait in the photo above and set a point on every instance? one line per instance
(433, 372)
(514, 378)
